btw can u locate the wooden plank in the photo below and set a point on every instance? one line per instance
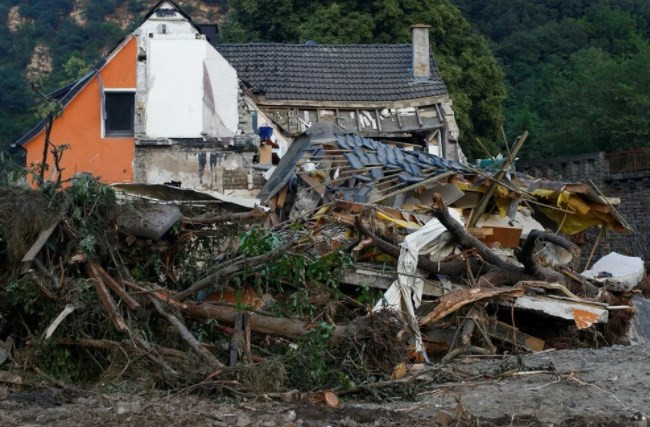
(116, 287)
(600, 208)
(313, 183)
(273, 203)
(237, 340)
(417, 185)
(504, 332)
(481, 233)
(343, 105)
(498, 177)
(507, 237)
(282, 197)
(40, 241)
(274, 219)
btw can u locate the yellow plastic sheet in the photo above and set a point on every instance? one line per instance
(400, 222)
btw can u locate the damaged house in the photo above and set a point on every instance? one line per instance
(169, 105)
(366, 227)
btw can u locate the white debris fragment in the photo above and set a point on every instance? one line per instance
(616, 271)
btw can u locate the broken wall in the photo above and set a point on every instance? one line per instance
(198, 164)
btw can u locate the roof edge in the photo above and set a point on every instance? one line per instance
(402, 103)
(75, 88)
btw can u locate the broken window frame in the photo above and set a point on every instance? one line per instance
(107, 132)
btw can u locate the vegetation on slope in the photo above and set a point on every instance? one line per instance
(575, 70)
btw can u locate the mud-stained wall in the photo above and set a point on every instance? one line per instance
(200, 166)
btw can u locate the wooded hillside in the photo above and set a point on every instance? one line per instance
(576, 71)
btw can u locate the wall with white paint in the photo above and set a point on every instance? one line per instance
(186, 89)
(224, 88)
(175, 82)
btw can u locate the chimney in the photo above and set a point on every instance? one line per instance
(421, 64)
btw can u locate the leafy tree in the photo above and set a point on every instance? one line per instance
(76, 67)
(574, 70)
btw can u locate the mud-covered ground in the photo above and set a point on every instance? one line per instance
(604, 387)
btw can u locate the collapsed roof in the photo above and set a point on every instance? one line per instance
(334, 164)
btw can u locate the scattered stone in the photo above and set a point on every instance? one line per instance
(128, 407)
(243, 421)
(290, 416)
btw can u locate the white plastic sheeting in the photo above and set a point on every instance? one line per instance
(405, 294)
(626, 271)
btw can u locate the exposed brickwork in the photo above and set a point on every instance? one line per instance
(633, 189)
(235, 179)
(579, 168)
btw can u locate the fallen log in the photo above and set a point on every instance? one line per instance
(532, 267)
(276, 326)
(217, 219)
(186, 335)
(449, 268)
(466, 240)
(506, 273)
(110, 345)
(116, 287)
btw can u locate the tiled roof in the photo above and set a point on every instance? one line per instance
(372, 72)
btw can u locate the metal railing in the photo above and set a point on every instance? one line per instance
(629, 161)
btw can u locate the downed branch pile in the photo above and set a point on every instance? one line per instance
(100, 289)
(368, 258)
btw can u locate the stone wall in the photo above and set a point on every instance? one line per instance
(634, 192)
(578, 168)
(632, 188)
(201, 165)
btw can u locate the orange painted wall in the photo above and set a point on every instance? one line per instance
(80, 126)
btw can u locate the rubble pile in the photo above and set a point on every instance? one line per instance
(358, 263)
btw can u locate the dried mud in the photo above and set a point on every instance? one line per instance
(604, 387)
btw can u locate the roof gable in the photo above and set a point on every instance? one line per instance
(346, 73)
(166, 5)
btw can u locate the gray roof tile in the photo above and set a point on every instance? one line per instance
(373, 72)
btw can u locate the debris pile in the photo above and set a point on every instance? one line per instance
(359, 261)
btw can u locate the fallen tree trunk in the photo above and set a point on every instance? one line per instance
(217, 219)
(466, 240)
(450, 268)
(504, 272)
(187, 336)
(532, 267)
(115, 286)
(276, 326)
